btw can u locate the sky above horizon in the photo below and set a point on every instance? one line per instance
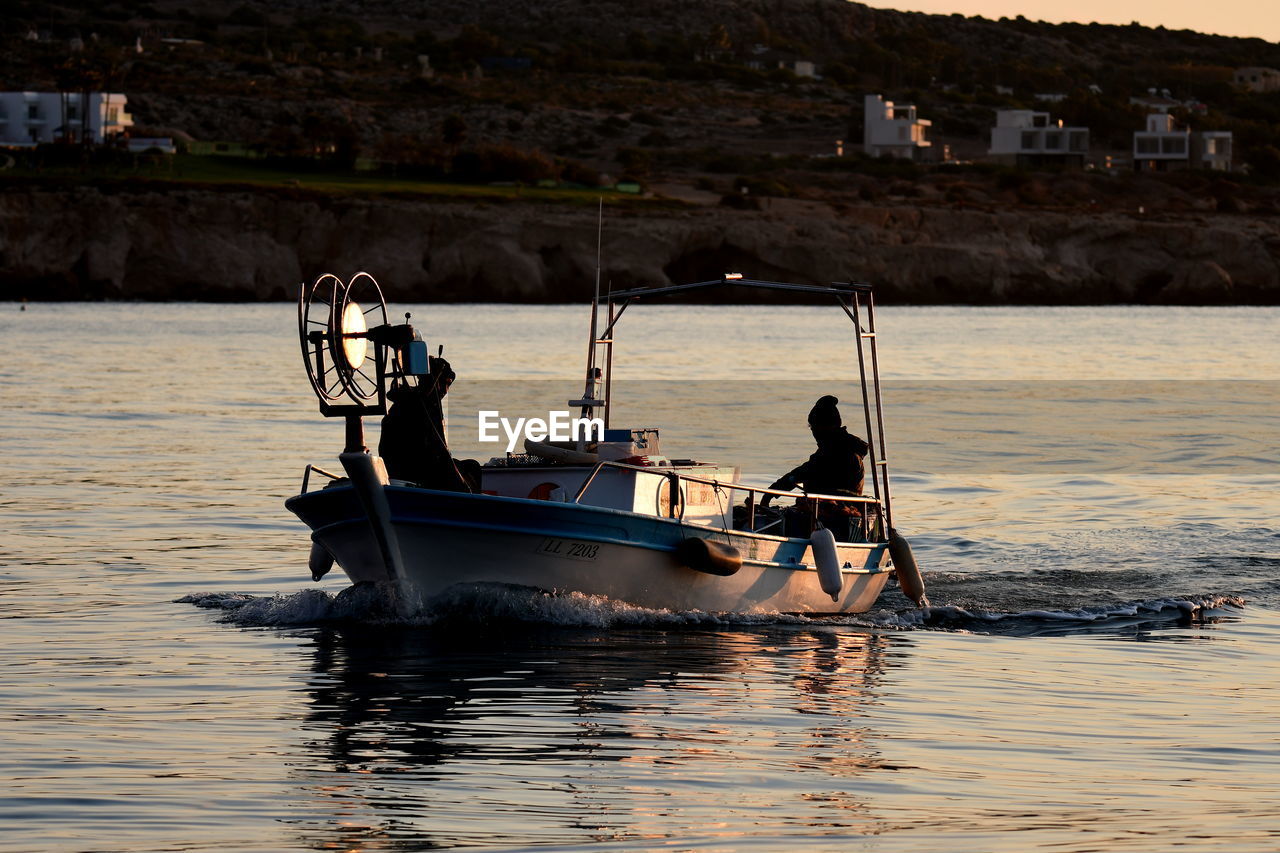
(1245, 18)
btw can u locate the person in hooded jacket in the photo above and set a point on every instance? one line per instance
(835, 468)
(412, 444)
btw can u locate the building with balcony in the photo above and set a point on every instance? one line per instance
(1164, 147)
(894, 129)
(32, 118)
(1212, 149)
(1030, 138)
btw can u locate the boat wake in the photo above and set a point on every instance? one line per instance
(500, 604)
(1120, 618)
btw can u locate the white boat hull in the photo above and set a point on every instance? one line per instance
(446, 538)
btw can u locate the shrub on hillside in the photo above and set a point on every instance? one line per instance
(635, 161)
(487, 163)
(740, 201)
(763, 186)
(574, 172)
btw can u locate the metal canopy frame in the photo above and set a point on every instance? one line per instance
(835, 288)
(852, 297)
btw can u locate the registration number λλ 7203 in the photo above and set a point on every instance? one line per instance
(569, 549)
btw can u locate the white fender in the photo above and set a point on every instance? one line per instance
(320, 561)
(904, 563)
(827, 562)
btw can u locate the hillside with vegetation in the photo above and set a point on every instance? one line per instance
(698, 103)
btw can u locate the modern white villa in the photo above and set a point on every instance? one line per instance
(894, 129)
(1164, 146)
(30, 118)
(1030, 138)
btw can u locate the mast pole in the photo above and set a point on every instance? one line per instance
(599, 241)
(589, 389)
(875, 378)
(608, 367)
(854, 314)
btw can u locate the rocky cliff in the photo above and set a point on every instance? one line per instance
(191, 244)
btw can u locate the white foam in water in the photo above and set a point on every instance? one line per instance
(472, 602)
(307, 607)
(503, 603)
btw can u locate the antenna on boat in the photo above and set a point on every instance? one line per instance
(591, 392)
(599, 241)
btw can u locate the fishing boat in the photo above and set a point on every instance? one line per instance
(607, 514)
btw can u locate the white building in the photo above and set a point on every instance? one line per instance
(894, 129)
(1211, 149)
(803, 68)
(1030, 138)
(30, 118)
(1257, 79)
(764, 59)
(1163, 147)
(1155, 102)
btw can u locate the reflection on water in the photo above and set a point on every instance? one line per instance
(570, 736)
(784, 736)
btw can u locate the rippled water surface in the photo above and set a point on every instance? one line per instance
(1092, 493)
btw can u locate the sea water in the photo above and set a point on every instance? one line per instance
(1092, 493)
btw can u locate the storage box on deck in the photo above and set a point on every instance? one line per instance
(622, 444)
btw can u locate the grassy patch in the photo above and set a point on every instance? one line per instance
(227, 173)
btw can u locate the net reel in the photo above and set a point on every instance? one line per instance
(350, 349)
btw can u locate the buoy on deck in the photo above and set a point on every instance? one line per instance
(320, 561)
(714, 558)
(827, 562)
(904, 563)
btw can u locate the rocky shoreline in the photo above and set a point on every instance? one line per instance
(247, 245)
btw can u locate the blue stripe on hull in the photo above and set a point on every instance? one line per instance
(335, 515)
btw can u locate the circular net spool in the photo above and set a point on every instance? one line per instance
(361, 366)
(335, 321)
(317, 304)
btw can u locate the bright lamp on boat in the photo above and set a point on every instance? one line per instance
(354, 344)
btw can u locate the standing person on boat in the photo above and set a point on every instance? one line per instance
(412, 443)
(835, 468)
